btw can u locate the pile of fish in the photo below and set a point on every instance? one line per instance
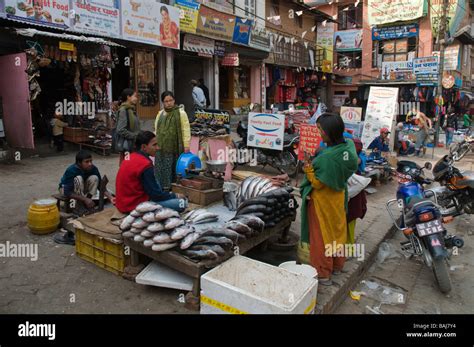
(254, 186)
(271, 207)
(208, 244)
(157, 227)
(200, 216)
(207, 128)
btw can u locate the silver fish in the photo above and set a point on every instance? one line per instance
(165, 213)
(259, 186)
(265, 187)
(163, 246)
(229, 233)
(138, 238)
(181, 232)
(162, 237)
(149, 217)
(148, 243)
(172, 223)
(128, 234)
(147, 234)
(147, 206)
(244, 186)
(251, 221)
(215, 248)
(252, 186)
(239, 227)
(135, 230)
(222, 241)
(127, 223)
(140, 223)
(136, 214)
(156, 227)
(191, 238)
(205, 218)
(193, 213)
(202, 254)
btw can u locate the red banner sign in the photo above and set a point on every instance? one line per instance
(310, 138)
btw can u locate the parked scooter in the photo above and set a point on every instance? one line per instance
(423, 223)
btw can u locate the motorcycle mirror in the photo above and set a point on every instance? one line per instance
(428, 165)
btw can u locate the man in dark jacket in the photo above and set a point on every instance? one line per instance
(206, 92)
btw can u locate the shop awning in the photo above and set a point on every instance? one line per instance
(32, 32)
(465, 35)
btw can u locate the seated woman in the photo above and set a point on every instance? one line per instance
(136, 181)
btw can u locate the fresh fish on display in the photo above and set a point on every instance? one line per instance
(229, 233)
(147, 206)
(190, 214)
(191, 238)
(128, 234)
(202, 254)
(172, 223)
(181, 232)
(162, 237)
(230, 196)
(148, 243)
(136, 230)
(165, 213)
(147, 234)
(258, 188)
(205, 218)
(163, 246)
(136, 214)
(149, 217)
(138, 238)
(251, 186)
(215, 248)
(251, 221)
(239, 227)
(140, 223)
(222, 241)
(154, 227)
(253, 209)
(127, 222)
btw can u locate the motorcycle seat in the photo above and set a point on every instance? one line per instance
(416, 204)
(467, 180)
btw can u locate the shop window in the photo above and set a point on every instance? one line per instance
(241, 82)
(352, 60)
(350, 18)
(144, 78)
(393, 50)
(274, 15)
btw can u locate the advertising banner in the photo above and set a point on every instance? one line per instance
(97, 17)
(348, 40)
(266, 130)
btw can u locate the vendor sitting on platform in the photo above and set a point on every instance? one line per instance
(81, 181)
(380, 144)
(136, 181)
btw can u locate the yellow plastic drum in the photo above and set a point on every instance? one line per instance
(43, 216)
(302, 253)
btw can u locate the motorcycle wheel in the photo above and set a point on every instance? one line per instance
(289, 164)
(460, 151)
(441, 273)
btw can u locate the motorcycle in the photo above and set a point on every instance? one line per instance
(423, 223)
(285, 161)
(456, 191)
(459, 150)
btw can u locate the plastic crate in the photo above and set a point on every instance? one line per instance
(105, 253)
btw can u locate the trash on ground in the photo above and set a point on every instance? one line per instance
(384, 294)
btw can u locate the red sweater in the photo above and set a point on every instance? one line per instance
(128, 185)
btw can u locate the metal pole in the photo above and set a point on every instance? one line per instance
(442, 45)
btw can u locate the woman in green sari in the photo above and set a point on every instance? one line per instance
(173, 135)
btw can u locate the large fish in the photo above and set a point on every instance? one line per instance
(181, 232)
(165, 213)
(202, 254)
(243, 188)
(189, 240)
(222, 241)
(162, 237)
(239, 227)
(140, 223)
(265, 187)
(138, 238)
(163, 246)
(251, 187)
(147, 234)
(148, 243)
(259, 186)
(205, 218)
(128, 234)
(147, 206)
(149, 217)
(193, 213)
(229, 233)
(155, 227)
(127, 223)
(252, 221)
(136, 214)
(172, 223)
(215, 248)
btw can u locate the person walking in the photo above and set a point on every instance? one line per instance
(128, 123)
(450, 126)
(206, 92)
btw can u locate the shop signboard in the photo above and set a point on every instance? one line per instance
(230, 59)
(381, 110)
(215, 24)
(150, 22)
(383, 11)
(426, 65)
(310, 138)
(452, 58)
(351, 114)
(47, 13)
(427, 79)
(96, 17)
(325, 42)
(395, 32)
(188, 16)
(219, 49)
(242, 30)
(260, 39)
(266, 130)
(198, 44)
(222, 117)
(348, 40)
(397, 70)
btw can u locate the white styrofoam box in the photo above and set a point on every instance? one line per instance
(243, 285)
(159, 275)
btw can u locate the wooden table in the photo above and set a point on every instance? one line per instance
(195, 269)
(105, 150)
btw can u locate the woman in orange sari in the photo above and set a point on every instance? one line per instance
(324, 198)
(169, 31)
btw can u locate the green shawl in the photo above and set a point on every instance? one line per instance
(131, 116)
(333, 167)
(168, 131)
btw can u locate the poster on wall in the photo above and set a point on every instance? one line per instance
(242, 30)
(97, 17)
(189, 12)
(48, 13)
(351, 114)
(151, 22)
(325, 41)
(394, 32)
(400, 70)
(348, 40)
(380, 113)
(383, 11)
(260, 39)
(310, 138)
(215, 24)
(266, 130)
